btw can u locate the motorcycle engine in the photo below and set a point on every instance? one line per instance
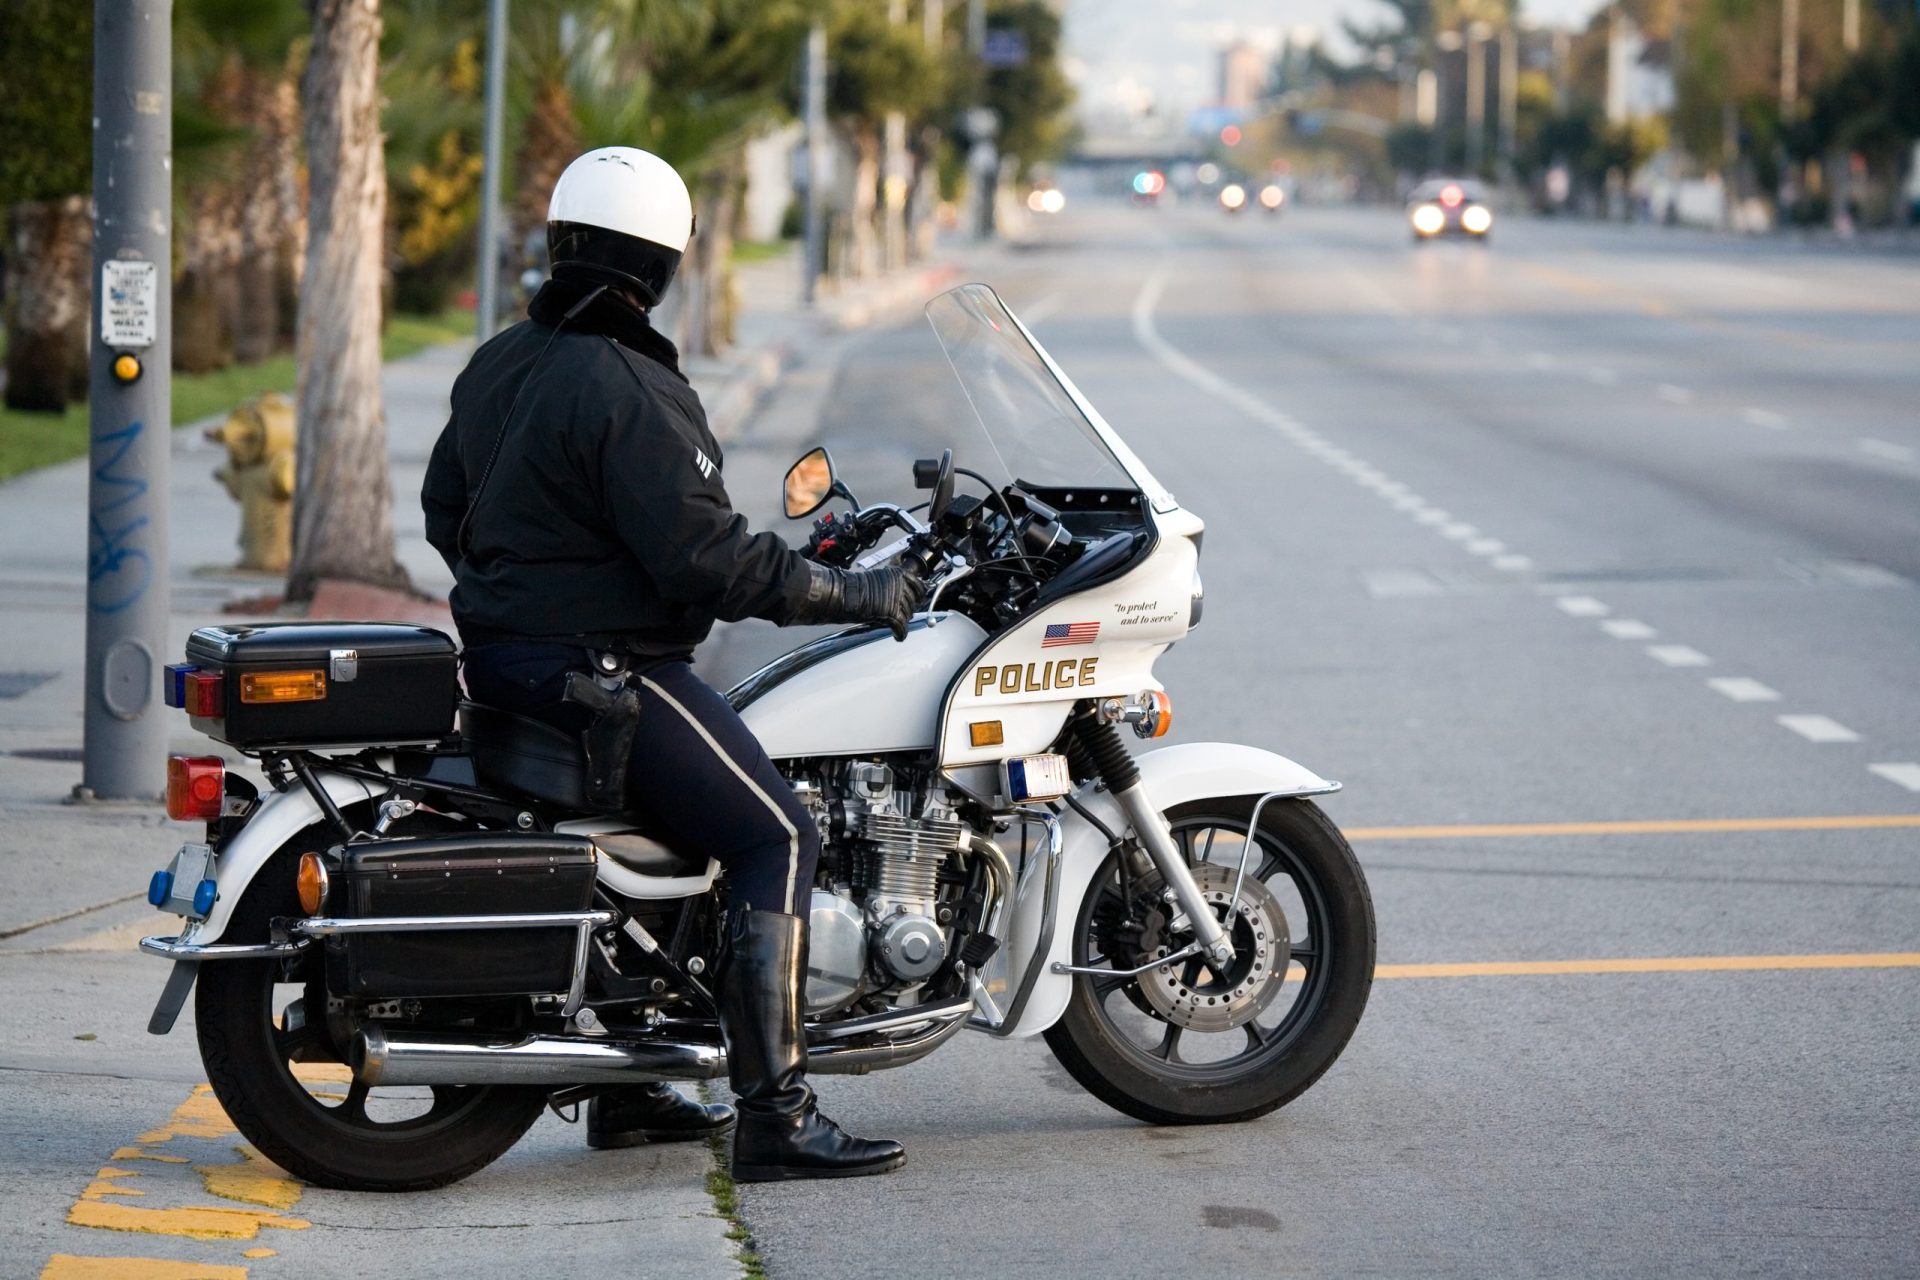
(877, 927)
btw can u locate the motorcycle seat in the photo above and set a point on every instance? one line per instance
(526, 756)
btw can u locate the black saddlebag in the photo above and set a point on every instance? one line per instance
(485, 873)
(323, 684)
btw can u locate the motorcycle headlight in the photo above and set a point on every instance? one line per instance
(1199, 602)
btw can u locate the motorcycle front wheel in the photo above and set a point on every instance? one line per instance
(1181, 1043)
(262, 1026)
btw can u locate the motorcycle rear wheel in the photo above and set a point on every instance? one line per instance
(1121, 1044)
(308, 1126)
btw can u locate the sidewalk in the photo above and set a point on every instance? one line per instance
(72, 898)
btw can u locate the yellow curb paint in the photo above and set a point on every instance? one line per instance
(1675, 826)
(254, 1180)
(258, 1253)
(322, 1072)
(68, 1266)
(1672, 964)
(195, 1224)
(135, 1153)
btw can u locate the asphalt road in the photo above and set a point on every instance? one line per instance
(1486, 526)
(1584, 526)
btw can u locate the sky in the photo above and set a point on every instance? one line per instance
(1121, 50)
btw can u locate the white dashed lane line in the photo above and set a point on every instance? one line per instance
(1602, 376)
(1678, 655)
(1814, 728)
(1903, 774)
(1743, 689)
(1887, 450)
(1819, 729)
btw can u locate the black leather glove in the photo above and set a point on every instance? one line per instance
(887, 595)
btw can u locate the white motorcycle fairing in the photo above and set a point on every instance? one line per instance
(857, 692)
(1043, 917)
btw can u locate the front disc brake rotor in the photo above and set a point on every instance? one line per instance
(1190, 994)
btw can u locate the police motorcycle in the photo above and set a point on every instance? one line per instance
(414, 938)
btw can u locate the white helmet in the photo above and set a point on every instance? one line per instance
(621, 216)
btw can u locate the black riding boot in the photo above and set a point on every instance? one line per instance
(781, 1133)
(652, 1113)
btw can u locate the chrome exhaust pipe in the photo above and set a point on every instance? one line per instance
(380, 1057)
(383, 1058)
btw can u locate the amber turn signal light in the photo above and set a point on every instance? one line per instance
(312, 883)
(986, 733)
(1158, 717)
(283, 686)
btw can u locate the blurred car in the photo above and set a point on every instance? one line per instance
(1046, 200)
(1449, 207)
(1233, 197)
(1273, 197)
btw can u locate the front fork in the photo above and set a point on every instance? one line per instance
(1111, 759)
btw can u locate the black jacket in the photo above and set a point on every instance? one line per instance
(605, 515)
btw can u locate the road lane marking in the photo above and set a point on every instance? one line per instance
(1638, 827)
(1819, 729)
(1902, 774)
(1742, 689)
(1458, 532)
(1512, 563)
(1541, 360)
(1888, 450)
(67, 1266)
(1582, 607)
(1603, 376)
(1672, 964)
(1434, 515)
(1764, 418)
(1674, 395)
(1678, 655)
(1486, 547)
(1628, 629)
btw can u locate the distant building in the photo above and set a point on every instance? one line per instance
(1243, 75)
(1639, 73)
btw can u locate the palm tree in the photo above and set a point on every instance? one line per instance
(343, 498)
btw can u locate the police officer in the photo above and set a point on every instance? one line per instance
(576, 495)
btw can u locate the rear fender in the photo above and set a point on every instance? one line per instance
(1172, 776)
(280, 816)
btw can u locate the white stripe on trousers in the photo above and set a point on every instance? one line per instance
(793, 833)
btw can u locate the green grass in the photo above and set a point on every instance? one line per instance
(726, 1203)
(760, 250)
(29, 440)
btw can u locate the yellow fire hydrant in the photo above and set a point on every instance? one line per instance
(259, 473)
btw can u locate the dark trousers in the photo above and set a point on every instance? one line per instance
(697, 773)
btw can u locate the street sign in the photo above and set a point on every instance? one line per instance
(1004, 48)
(129, 304)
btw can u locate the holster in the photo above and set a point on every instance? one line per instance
(615, 705)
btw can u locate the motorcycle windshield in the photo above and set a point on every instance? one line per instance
(1041, 429)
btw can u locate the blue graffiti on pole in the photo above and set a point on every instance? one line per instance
(118, 574)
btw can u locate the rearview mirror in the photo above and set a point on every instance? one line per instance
(809, 483)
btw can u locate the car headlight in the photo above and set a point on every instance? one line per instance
(1233, 195)
(1476, 219)
(1428, 220)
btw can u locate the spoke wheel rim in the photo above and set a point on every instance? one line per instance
(1196, 836)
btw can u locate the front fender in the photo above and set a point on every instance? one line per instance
(1040, 937)
(280, 815)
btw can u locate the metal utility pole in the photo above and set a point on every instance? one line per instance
(1509, 99)
(1850, 26)
(1476, 95)
(1789, 57)
(488, 308)
(896, 170)
(983, 158)
(816, 138)
(130, 412)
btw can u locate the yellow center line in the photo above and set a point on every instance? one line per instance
(1663, 826)
(1653, 964)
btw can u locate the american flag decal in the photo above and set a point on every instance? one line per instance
(1061, 633)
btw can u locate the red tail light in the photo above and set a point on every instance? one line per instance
(196, 786)
(203, 693)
